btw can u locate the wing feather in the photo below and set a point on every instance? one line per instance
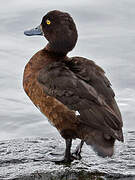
(76, 89)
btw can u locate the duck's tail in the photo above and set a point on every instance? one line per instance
(101, 143)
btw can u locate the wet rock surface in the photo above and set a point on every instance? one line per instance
(30, 159)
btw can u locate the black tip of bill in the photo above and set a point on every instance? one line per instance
(34, 31)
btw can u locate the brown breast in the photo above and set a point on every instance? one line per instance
(58, 114)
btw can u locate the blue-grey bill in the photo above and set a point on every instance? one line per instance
(34, 31)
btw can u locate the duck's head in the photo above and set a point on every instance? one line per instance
(59, 29)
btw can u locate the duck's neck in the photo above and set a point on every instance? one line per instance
(56, 50)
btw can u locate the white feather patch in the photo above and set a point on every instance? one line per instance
(77, 113)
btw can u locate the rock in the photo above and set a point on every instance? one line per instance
(29, 159)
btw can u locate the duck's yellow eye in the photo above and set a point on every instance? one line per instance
(48, 22)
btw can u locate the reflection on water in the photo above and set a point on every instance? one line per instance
(106, 35)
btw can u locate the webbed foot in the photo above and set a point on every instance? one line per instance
(64, 160)
(76, 155)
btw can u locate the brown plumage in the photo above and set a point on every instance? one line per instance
(73, 93)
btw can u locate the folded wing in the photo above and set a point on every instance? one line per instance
(82, 87)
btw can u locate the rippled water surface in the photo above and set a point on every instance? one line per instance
(31, 159)
(106, 35)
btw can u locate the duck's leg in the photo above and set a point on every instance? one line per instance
(67, 156)
(77, 153)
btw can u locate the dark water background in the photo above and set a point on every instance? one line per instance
(106, 35)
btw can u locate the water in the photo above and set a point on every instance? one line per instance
(106, 35)
(28, 159)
